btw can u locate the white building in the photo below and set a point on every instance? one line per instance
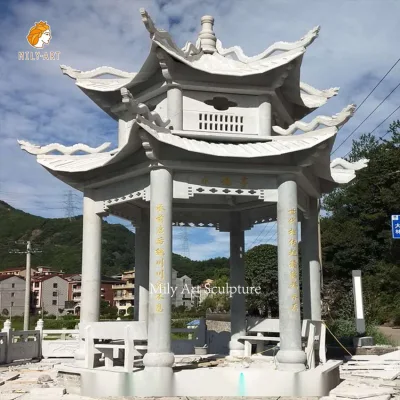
(12, 295)
(182, 295)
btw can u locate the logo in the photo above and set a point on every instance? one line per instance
(38, 37)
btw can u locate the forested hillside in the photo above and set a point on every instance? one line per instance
(60, 241)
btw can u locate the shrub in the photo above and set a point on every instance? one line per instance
(60, 324)
(379, 337)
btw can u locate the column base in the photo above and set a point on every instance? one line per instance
(161, 360)
(236, 349)
(291, 360)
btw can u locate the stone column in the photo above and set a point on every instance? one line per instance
(91, 261)
(159, 315)
(237, 279)
(175, 107)
(142, 237)
(291, 357)
(305, 267)
(314, 262)
(264, 117)
(91, 265)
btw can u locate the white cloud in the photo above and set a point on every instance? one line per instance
(357, 45)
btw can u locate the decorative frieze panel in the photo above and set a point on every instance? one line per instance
(124, 190)
(140, 194)
(197, 224)
(187, 185)
(259, 193)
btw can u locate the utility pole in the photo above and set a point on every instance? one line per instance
(319, 243)
(27, 286)
(28, 277)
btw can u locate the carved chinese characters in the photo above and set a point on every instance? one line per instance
(293, 259)
(160, 253)
(228, 181)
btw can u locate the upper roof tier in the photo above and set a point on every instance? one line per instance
(276, 69)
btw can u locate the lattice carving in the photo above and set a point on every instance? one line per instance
(197, 189)
(197, 224)
(140, 194)
(262, 221)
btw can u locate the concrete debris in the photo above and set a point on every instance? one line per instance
(44, 378)
(369, 378)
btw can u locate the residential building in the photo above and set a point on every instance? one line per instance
(12, 295)
(18, 271)
(21, 271)
(182, 295)
(49, 294)
(75, 289)
(124, 292)
(201, 292)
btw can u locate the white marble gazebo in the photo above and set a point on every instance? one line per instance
(207, 137)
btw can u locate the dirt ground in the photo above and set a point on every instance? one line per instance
(392, 333)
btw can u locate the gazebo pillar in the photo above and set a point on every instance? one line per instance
(305, 268)
(91, 261)
(159, 314)
(311, 263)
(290, 356)
(141, 295)
(237, 278)
(91, 266)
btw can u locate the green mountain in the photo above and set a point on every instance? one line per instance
(60, 243)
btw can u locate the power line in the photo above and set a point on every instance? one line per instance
(337, 148)
(372, 91)
(265, 227)
(369, 94)
(379, 126)
(263, 239)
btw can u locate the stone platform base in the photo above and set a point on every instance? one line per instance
(204, 382)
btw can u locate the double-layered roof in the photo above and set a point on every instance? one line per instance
(149, 138)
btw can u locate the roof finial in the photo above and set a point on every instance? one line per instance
(207, 36)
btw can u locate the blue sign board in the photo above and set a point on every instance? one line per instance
(396, 226)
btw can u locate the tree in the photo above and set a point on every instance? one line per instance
(262, 271)
(357, 233)
(107, 311)
(218, 300)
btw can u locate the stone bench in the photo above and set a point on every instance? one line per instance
(313, 335)
(110, 338)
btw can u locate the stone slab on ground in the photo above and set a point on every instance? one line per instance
(394, 355)
(385, 375)
(362, 358)
(359, 391)
(10, 376)
(55, 391)
(10, 396)
(385, 397)
(381, 367)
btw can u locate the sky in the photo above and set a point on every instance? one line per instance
(357, 45)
